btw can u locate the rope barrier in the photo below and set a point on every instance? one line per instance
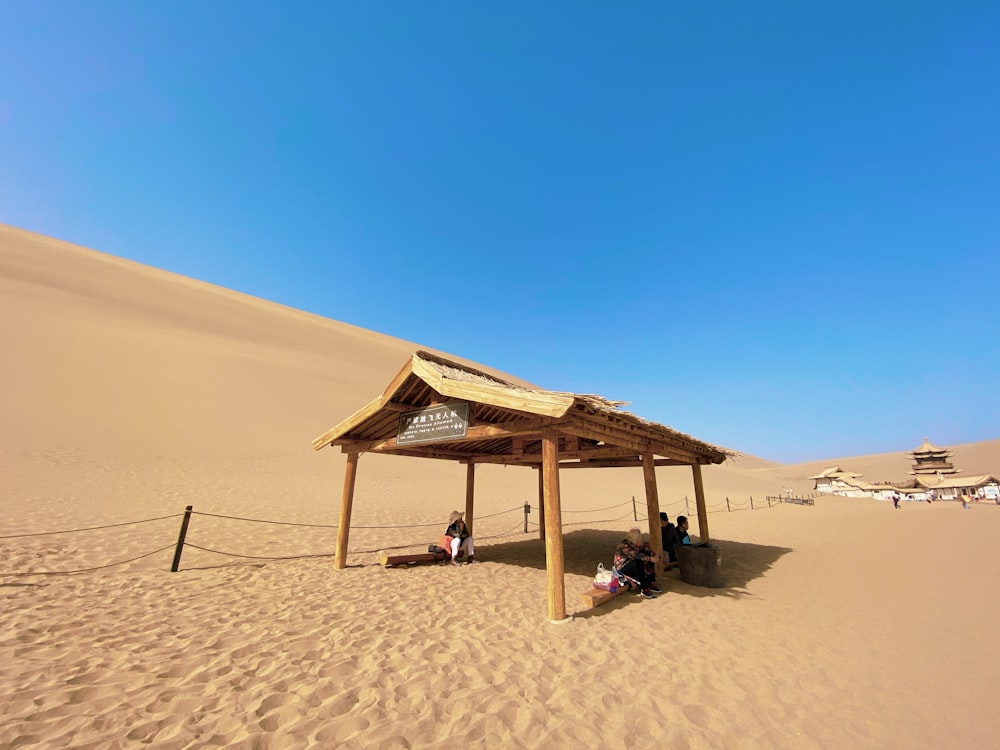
(325, 554)
(727, 506)
(536, 524)
(594, 510)
(682, 501)
(89, 528)
(260, 520)
(501, 513)
(87, 570)
(256, 557)
(334, 526)
(510, 531)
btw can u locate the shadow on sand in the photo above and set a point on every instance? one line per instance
(742, 562)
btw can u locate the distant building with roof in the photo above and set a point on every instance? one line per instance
(929, 459)
(934, 477)
(834, 478)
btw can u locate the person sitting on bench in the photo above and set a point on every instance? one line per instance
(682, 530)
(668, 533)
(630, 561)
(460, 538)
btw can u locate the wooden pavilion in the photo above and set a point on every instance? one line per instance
(437, 408)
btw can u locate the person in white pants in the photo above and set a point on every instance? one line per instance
(460, 537)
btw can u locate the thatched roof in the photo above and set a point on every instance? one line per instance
(506, 421)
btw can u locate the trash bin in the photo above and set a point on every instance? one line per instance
(700, 565)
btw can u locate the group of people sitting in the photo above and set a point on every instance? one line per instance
(635, 562)
(634, 559)
(673, 537)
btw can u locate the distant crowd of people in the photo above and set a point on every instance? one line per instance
(932, 496)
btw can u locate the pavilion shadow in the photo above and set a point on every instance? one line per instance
(742, 562)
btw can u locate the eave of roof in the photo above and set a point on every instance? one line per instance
(589, 416)
(927, 447)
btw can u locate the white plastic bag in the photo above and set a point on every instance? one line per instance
(603, 576)
(606, 579)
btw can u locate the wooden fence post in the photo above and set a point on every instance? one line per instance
(635, 515)
(180, 540)
(527, 510)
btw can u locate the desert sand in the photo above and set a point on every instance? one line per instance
(129, 393)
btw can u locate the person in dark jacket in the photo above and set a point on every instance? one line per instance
(682, 530)
(668, 533)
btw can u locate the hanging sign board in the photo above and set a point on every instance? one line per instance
(434, 424)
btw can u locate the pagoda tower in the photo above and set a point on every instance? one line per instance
(929, 459)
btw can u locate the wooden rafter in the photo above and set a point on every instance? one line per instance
(519, 427)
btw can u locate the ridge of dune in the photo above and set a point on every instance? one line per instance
(175, 361)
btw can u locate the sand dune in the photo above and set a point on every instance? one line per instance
(130, 393)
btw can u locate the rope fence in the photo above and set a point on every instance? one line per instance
(628, 510)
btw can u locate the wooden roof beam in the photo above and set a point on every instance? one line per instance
(535, 460)
(400, 378)
(524, 459)
(365, 412)
(397, 407)
(613, 435)
(598, 452)
(611, 463)
(604, 452)
(520, 427)
(607, 435)
(416, 451)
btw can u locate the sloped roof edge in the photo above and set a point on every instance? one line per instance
(928, 447)
(456, 380)
(346, 425)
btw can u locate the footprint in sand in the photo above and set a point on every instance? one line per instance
(696, 715)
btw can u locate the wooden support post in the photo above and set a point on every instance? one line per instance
(180, 540)
(346, 502)
(699, 500)
(541, 503)
(653, 509)
(470, 495)
(556, 583)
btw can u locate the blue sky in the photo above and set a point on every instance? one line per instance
(775, 226)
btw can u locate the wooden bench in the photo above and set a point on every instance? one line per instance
(595, 597)
(396, 561)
